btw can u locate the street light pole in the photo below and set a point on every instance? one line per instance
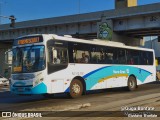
(12, 18)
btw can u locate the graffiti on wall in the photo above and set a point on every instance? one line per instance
(104, 31)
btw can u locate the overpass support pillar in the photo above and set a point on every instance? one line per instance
(4, 67)
(105, 32)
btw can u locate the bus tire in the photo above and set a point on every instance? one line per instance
(76, 88)
(132, 83)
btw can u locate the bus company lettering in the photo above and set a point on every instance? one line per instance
(121, 71)
(78, 73)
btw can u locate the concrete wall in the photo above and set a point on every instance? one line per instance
(127, 40)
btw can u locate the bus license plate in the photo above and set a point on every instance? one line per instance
(20, 89)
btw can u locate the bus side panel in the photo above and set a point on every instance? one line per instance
(116, 76)
(151, 77)
(99, 76)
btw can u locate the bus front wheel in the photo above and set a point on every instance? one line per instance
(76, 88)
(132, 83)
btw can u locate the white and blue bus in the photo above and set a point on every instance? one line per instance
(49, 64)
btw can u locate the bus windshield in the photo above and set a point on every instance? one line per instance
(28, 59)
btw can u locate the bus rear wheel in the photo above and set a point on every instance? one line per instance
(132, 83)
(76, 88)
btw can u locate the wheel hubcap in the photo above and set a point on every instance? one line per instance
(131, 84)
(76, 88)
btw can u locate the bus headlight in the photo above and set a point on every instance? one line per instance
(38, 81)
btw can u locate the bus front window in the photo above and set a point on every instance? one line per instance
(17, 60)
(28, 59)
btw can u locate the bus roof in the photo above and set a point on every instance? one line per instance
(92, 41)
(95, 41)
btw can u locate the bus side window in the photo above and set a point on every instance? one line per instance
(149, 56)
(95, 55)
(109, 53)
(56, 56)
(144, 60)
(81, 53)
(121, 56)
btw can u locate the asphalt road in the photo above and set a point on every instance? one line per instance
(93, 101)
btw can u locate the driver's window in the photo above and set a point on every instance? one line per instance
(58, 55)
(57, 59)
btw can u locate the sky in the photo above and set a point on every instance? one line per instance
(25, 10)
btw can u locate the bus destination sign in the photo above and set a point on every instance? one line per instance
(28, 40)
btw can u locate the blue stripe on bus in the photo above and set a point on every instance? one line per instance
(88, 74)
(67, 90)
(41, 88)
(93, 77)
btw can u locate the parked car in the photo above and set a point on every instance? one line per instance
(3, 80)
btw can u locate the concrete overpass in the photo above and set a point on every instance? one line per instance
(131, 22)
(127, 25)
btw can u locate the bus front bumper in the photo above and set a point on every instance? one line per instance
(38, 89)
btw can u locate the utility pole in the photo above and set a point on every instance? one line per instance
(79, 6)
(0, 11)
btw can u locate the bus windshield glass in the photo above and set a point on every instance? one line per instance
(28, 59)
